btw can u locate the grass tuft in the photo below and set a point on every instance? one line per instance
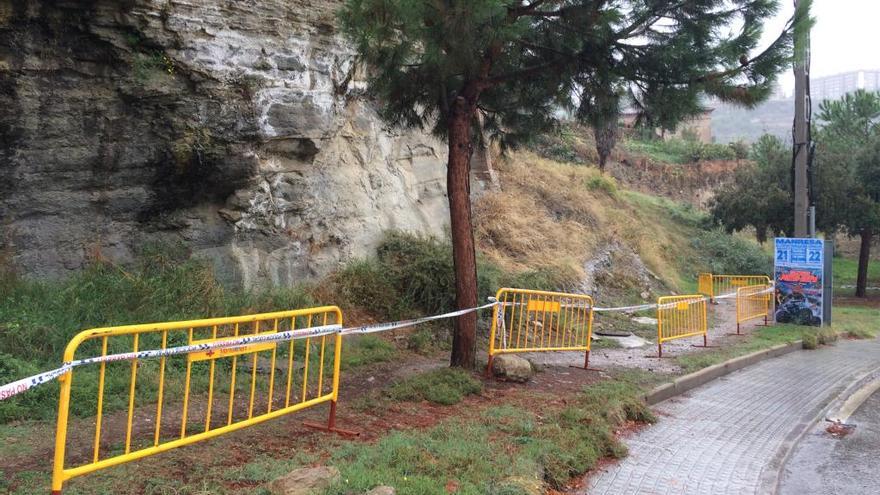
(504, 449)
(445, 386)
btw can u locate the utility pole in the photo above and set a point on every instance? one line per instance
(801, 132)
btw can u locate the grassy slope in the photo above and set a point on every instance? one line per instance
(557, 216)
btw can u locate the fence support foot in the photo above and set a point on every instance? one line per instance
(586, 366)
(489, 367)
(330, 427)
(705, 343)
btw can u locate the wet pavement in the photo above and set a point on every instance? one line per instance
(731, 436)
(823, 464)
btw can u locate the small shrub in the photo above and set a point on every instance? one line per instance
(720, 252)
(366, 284)
(428, 338)
(826, 336)
(740, 149)
(810, 340)
(603, 183)
(445, 386)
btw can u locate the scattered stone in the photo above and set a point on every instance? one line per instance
(630, 341)
(644, 320)
(512, 368)
(645, 295)
(382, 490)
(304, 481)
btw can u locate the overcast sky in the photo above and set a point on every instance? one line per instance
(846, 36)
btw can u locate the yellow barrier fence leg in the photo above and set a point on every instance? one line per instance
(331, 421)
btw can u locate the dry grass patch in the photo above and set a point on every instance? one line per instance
(557, 215)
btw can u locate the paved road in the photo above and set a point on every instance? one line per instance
(824, 465)
(728, 436)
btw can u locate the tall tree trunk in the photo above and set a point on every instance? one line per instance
(463, 252)
(866, 234)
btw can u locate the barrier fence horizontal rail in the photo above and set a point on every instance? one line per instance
(712, 285)
(216, 399)
(534, 321)
(679, 317)
(753, 302)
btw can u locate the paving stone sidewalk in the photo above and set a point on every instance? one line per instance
(727, 436)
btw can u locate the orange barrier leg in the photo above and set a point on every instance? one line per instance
(331, 424)
(489, 367)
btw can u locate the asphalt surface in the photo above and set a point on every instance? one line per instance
(731, 436)
(826, 464)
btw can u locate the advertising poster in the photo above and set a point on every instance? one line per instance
(798, 272)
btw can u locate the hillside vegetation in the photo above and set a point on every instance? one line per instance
(550, 226)
(558, 217)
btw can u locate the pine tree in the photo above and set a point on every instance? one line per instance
(848, 160)
(438, 64)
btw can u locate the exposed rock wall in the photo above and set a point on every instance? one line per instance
(236, 127)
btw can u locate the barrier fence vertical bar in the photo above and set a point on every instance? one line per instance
(61, 427)
(186, 388)
(253, 375)
(211, 367)
(131, 393)
(100, 414)
(290, 354)
(161, 391)
(272, 370)
(231, 407)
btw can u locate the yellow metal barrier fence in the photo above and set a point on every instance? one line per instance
(184, 399)
(679, 317)
(723, 285)
(704, 284)
(753, 302)
(535, 321)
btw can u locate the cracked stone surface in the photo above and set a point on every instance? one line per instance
(727, 437)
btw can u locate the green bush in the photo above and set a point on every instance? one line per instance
(603, 183)
(414, 274)
(810, 340)
(722, 253)
(741, 149)
(366, 284)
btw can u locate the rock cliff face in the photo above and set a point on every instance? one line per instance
(235, 127)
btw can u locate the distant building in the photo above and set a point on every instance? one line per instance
(833, 87)
(699, 126)
(777, 93)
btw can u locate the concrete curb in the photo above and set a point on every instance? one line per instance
(772, 474)
(867, 387)
(693, 380)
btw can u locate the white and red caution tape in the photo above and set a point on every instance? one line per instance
(25, 384)
(20, 386)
